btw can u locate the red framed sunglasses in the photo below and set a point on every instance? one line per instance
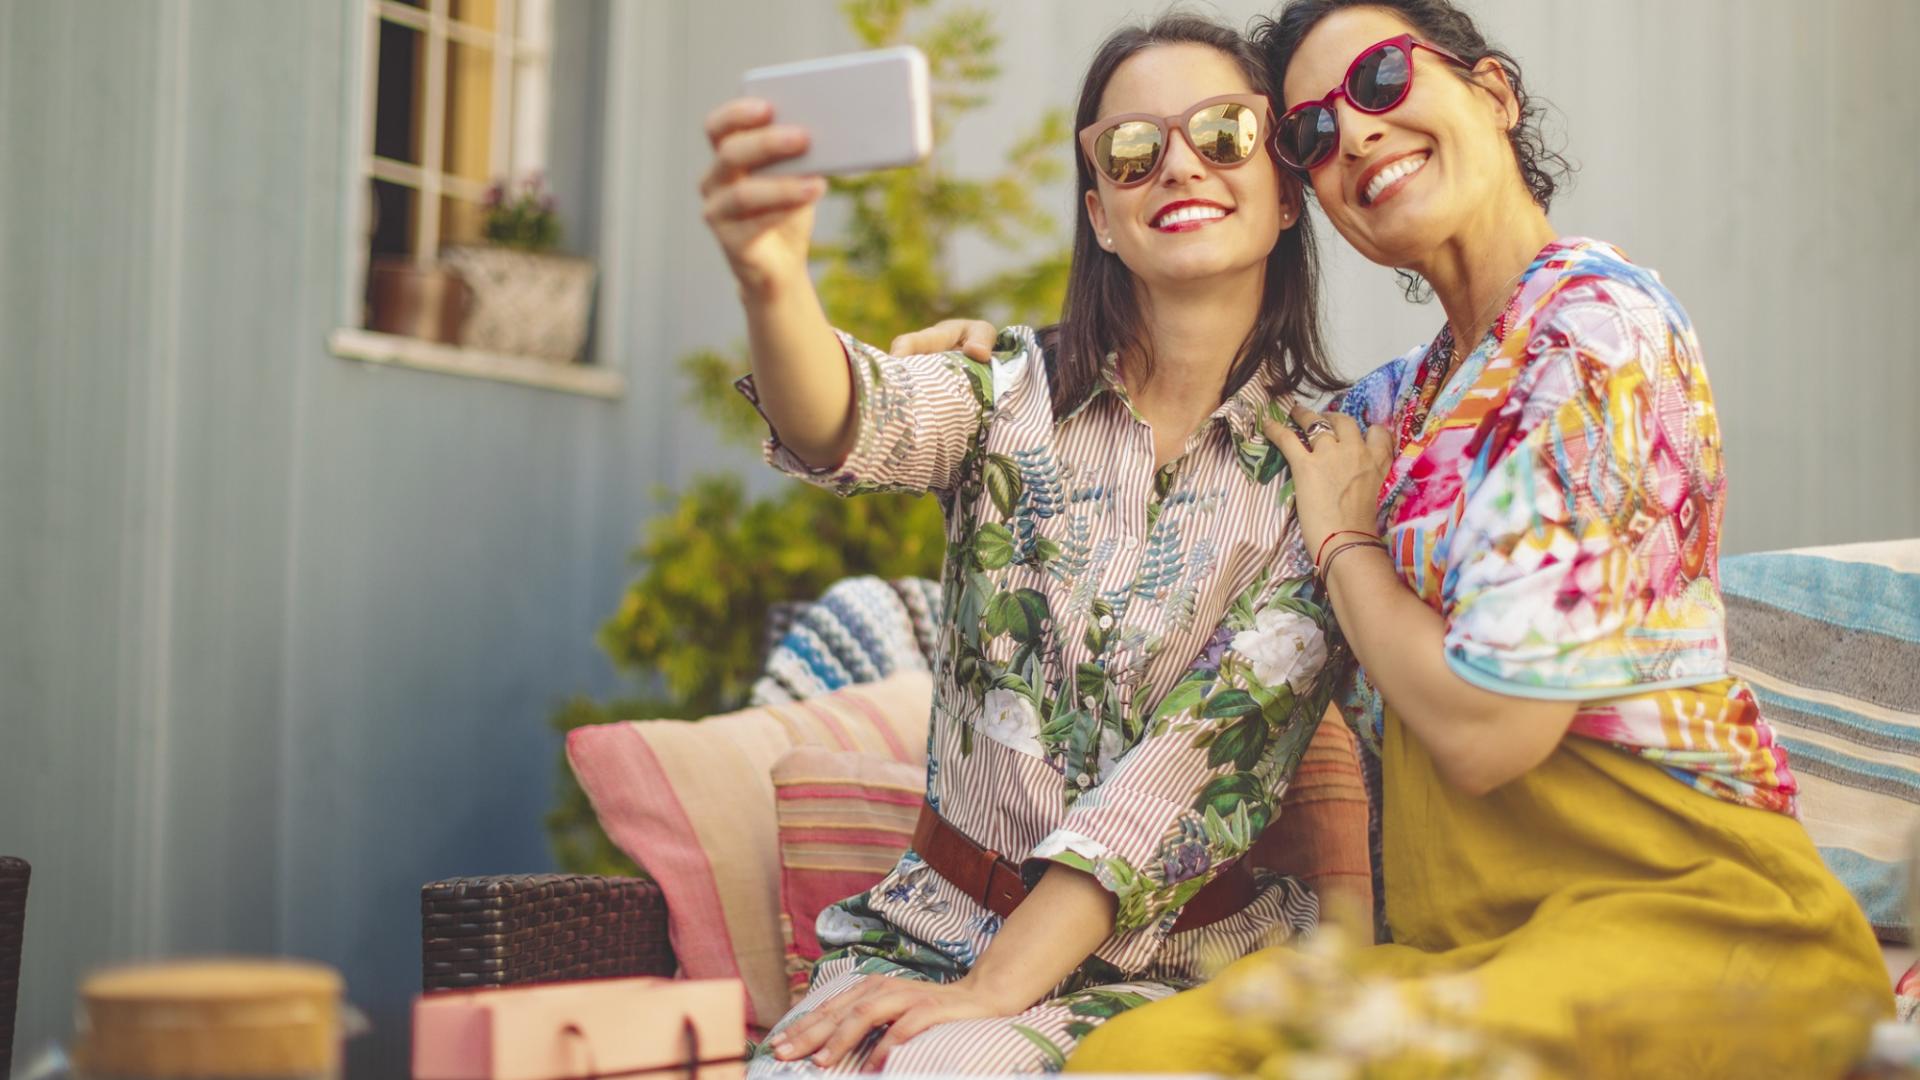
(1128, 149)
(1377, 81)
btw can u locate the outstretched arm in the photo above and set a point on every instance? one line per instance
(764, 225)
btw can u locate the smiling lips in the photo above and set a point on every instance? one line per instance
(1188, 215)
(1387, 177)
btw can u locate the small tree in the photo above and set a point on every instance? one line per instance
(690, 625)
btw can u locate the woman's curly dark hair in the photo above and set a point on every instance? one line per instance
(1544, 170)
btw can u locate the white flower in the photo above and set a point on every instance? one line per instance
(1061, 840)
(1375, 1025)
(838, 927)
(1283, 646)
(1011, 720)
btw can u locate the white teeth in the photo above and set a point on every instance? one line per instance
(1188, 213)
(1403, 167)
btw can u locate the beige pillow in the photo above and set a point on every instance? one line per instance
(692, 803)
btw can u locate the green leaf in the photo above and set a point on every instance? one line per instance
(1224, 793)
(1240, 744)
(1045, 551)
(980, 378)
(1095, 639)
(1056, 1059)
(1003, 483)
(1278, 710)
(1229, 703)
(1035, 614)
(1186, 694)
(1002, 610)
(1271, 465)
(1092, 681)
(1061, 726)
(992, 547)
(1009, 681)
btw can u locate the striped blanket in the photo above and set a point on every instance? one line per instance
(1829, 638)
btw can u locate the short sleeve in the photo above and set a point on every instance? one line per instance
(1594, 491)
(918, 417)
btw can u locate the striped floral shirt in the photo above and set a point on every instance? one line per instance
(1132, 660)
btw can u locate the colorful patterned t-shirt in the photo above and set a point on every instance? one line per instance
(1132, 660)
(1560, 505)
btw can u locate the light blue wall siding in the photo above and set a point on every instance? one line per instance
(281, 630)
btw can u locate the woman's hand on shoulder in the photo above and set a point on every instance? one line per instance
(905, 1007)
(764, 223)
(971, 336)
(1337, 472)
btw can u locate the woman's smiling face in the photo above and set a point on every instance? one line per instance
(1194, 219)
(1401, 183)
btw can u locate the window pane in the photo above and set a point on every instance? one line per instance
(396, 209)
(460, 220)
(469, 112)
(401, 95)
(530, 117)
(474, 12)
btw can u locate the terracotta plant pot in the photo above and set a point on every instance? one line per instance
(427, 302)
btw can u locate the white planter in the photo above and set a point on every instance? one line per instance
(524, 304)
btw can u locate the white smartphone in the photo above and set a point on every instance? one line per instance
(864, 111)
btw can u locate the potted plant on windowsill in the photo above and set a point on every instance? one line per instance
(527, 300)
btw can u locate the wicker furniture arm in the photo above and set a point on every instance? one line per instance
(498, 931)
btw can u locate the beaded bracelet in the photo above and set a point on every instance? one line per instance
(1327, 567)
(1338, 532)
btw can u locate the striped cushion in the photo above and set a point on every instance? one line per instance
(861, 629)
(691, 803)
(1320, 836)
(1830, 640)
(844, 821)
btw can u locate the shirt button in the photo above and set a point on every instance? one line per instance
(1083, 779)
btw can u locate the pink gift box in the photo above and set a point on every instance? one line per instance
(582, 1030)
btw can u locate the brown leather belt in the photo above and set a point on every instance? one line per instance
(993, 880)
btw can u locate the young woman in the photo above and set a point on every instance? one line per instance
(1580, 805)
(1133, 655)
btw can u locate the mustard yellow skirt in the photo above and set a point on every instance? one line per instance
(1594, 880)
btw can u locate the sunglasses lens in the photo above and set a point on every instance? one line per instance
(1307, 137)
(1225, 134)
(1380, 79)
(1127, 152)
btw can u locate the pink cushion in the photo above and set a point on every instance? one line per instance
(844, 820)
(692, 803)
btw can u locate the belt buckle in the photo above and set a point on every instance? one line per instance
(1005, 888)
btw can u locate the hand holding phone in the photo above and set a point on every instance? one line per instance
(763, 223)
(840, 114)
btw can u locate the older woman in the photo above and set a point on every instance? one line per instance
(1580, 804)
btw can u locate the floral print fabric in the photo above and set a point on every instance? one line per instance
(1132, 660)
(1561, 506)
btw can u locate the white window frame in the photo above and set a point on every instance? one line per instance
(522, 50)
(521, 46)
